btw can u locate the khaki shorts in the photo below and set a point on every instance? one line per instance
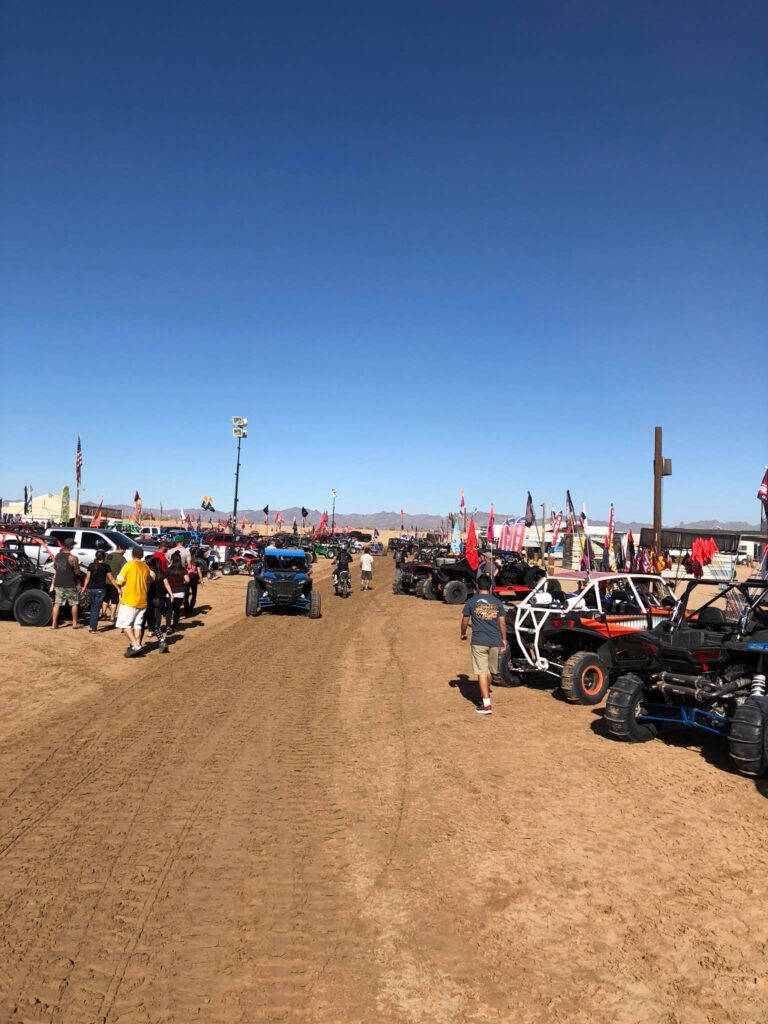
(485, 660)
(129, 618)
(67, 595)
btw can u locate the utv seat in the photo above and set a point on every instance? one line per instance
(711, 617)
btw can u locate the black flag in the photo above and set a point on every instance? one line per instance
(530, 515)
(265, 510)
(304, 512)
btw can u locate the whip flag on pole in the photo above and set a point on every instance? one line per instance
(530, 515)
(78, 461)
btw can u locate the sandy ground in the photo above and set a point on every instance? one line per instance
(296, 821)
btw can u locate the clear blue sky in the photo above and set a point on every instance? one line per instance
(422, 246)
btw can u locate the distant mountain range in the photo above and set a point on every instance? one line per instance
(421, 521)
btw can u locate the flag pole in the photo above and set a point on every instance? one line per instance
(542, 539)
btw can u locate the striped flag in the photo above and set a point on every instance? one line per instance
(762, 492)
(78, 461)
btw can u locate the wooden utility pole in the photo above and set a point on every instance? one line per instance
(661, 467)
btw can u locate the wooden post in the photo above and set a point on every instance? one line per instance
(658, 470)
(543, 531)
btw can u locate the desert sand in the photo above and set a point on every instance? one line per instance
(304, 821)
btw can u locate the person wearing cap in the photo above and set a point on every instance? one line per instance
(66, 567)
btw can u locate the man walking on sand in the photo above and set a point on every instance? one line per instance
(66, 568)
(366, 570)
(489, 637)
(133, 581)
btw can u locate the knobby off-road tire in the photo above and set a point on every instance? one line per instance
(621, 710)
(314, 605)
(428, 591)
(397, 587)
(33, 608)
(748, 738)
(455, 592)
(252, 595)
(507, 674)
(227, 568)
(419, 588)
(585, 678)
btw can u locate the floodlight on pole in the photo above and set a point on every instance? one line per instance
(239, 430)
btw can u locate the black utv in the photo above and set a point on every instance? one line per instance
(705, 669)
(24, 589)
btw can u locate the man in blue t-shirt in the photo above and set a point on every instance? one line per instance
(489, 637)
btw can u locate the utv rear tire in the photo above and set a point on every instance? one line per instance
(397, 587)
(508, 675)
(314, 605)
(226, 568)
(428, 591)
(585, 678)
(252, 595)
(419, 588)
(749, 736)
(33, 608)
(455, 592)
(621, 709)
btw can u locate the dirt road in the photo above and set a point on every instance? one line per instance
(286, 820)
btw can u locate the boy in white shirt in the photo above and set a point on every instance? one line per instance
(366, 570)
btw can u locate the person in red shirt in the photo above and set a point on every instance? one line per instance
(162, 555)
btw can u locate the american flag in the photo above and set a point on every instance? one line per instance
(762, 491)
(78, 461)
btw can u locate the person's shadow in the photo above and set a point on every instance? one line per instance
(468, 688)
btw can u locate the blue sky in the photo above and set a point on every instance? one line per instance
(421, 246)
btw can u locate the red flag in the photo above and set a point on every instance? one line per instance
(518, 535)
(96, 521)
(556, 529)
(762, 492)
(491, 526)
(461, 501)
(470, 551)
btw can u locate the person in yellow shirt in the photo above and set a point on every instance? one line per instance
(133, 581)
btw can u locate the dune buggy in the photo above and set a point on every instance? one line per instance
(282, 582)
(566, 628)
(24, 588)
(705, 668)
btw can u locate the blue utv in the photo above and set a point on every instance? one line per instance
(282, 581)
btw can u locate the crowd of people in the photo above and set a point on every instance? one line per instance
(132, 595)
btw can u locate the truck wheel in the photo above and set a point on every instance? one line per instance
(419, 588)
(585, 678)
(508, 675)
(624, 704)
(749, 736)
(314, 605)
(33, 608)
(252, 595)
(428, 591)
(455, 592)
